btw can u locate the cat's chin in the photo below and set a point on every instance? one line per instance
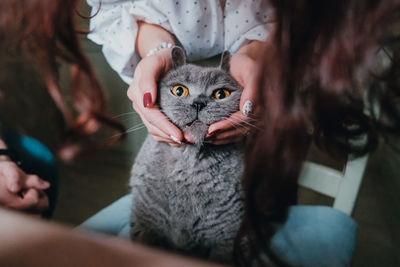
(197, 130)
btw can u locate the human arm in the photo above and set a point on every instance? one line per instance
(143, 89)
(127, 31)
(19, 190)
(244, 68)
(45, 244)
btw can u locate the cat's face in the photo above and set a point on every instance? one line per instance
(194, 97)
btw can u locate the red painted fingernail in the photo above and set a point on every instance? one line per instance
(146, 100)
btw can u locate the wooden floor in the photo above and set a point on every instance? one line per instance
(88, 184)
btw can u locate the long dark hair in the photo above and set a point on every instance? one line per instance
(45, 31)
(318, 83)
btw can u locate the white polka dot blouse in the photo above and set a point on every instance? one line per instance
(203, 27)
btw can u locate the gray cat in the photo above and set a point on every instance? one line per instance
(189, 198)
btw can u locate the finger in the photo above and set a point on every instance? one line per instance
(158, 125)
(236, 120)
(159, 136)
(188, 138)
(154, 131)
(144, 85)
(247, 100)
(222, 125)
(29, 201)
(231, 134)
(142, 96)
(245, 74)
(175, 145)
(33, 181)
(43, 203)
(13, 182)
(158, 120)
(227, 140)
(148, 85)
(34, 201)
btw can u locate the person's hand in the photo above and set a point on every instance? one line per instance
(22, 191)
(243, 67)
(143, 93)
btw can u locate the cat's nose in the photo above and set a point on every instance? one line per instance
(198, 105)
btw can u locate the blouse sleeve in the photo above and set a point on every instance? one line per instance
(114, 27)
(256, 21)
(258, 33)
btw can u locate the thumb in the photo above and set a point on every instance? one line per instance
(33, 181)
(248, 99)
(246, 76)
(149, 75)
(13, 184)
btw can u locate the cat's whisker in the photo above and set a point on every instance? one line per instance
(242, 123)
(251, 119)
(129, 120)
(231, 122)
(245, 121)
(250, 124)
(136, 129)
(236, 124)
(247, 118)
(125, 114)
(130, 130)
(116, 135)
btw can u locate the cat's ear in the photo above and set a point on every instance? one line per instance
(178, 57)
(224, 64)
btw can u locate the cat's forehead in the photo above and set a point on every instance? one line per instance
(200, 76)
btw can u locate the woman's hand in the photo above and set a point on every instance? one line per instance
(22, 191)
(143, 93)
(244, 68)
(143, 90)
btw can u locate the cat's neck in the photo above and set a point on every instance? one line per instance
(204, 150)
(192, 152)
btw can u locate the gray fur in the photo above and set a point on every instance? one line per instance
(178, 57)
(188, 198)
(225, 58)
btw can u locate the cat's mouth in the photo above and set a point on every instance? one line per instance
(192, 122)
(197, 129)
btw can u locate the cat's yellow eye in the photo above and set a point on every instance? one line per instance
(180, 91)
(221, 94)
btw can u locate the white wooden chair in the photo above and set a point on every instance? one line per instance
(343, 185)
